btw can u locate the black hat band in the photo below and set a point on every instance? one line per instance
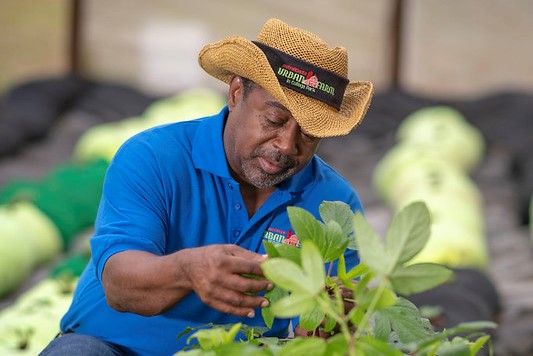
(306, 78)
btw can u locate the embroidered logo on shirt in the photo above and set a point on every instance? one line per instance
(278, 236)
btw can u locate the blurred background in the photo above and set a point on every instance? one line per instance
(453, 48)
(74, 73)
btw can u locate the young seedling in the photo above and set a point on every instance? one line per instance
(363, 309)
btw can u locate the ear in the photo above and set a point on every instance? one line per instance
(235, 91)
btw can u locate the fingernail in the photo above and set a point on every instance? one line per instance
(251, 314)
(264, 304)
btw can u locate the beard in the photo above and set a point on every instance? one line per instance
(261, 179)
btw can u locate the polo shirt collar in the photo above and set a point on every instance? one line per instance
(208, 154)
(208, 149)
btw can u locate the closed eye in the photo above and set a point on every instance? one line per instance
(274, 123)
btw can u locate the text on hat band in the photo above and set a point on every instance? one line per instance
(304, 77)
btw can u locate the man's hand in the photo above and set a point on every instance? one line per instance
(147, 284)
(216, 273)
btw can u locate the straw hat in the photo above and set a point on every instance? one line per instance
(300, 70)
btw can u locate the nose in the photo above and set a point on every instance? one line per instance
(287, 139)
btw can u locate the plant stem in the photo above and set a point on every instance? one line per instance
(370, 309)
(323, 301)
(330, 268)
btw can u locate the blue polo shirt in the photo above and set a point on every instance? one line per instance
(167, 189)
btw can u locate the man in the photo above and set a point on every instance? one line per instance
(186, 206)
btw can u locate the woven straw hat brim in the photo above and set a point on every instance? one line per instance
(237, 55)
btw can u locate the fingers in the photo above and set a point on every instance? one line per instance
(244, 284)
(238, 304)
(226, 277)
(231, 295)
(301, 332)
(220, 259)
(235, 260)
(244, 261)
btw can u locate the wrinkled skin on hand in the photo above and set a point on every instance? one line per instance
(216, 274)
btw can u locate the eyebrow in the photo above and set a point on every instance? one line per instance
(278, 105)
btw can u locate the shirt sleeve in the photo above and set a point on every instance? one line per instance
(131, 214)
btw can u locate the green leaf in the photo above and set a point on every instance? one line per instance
(418, 277)
(381, 297)
(336, 242)
(362, 285)
(477, 345)
(313, 266)
(356, 315)
(341, 268)
(339, 212)
(273, 296)
(186, 331)
(405, 320)
(330, 238)
(312, 346)
(473, 326)
(460, 328)
(336, 345)
(252, 331)
(211, 338)
(293, 305)
(283, 250)
(288, 275)
(330, 323)
(232, 333)
(271, 249)
(409, 231)
(468, 327)
(306, 226)
(370, 346)
(456, 347)
(312, 319)
(371, 249)
(382, 327)
(352, 243)
(269, 343)
(357, 271)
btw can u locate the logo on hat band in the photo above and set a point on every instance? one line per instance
(304, 77)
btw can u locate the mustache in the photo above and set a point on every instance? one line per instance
(287, 162)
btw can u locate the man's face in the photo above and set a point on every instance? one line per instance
(263, 142)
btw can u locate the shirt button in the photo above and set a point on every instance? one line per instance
(230, 186)
(236, 233)
(237, 206)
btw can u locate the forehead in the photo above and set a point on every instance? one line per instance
(264, 98)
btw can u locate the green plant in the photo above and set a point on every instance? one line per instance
(380, 320)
